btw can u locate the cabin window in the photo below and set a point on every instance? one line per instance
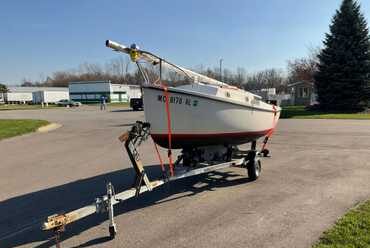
(246, 99)
(228, 94)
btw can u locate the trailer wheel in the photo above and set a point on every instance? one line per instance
(254, 169)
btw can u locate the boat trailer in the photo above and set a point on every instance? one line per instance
(132, 139)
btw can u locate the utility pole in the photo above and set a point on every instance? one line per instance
(221, 69)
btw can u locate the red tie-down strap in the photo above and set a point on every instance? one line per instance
(169, 132)
(167, 96)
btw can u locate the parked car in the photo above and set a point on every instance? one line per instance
(136, 103)
(70, 103)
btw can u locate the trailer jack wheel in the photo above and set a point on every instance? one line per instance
(112, 231)
(254, 169)
(265, 153)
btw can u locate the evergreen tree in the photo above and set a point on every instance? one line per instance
(343, 76)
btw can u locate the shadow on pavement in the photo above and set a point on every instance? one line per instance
(121, 110)
(21, 218)
(94, 242)
(123, 125)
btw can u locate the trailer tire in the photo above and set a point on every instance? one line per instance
(254, 168)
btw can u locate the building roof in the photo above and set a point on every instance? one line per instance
(104, 82)
(34, 89)
(91, 82)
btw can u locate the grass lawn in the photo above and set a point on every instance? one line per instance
(299, 112)
(352, 230)
(10, 128)
(24, 106)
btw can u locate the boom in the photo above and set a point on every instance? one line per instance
(136, 54)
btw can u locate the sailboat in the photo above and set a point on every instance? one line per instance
(202, 112)
(204, 117)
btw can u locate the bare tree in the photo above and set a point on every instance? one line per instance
(118, 71)
(119, 68)
(271, 78)
(304, 69)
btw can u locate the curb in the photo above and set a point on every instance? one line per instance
(48, 128)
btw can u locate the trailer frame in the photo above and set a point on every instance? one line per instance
(139, 132)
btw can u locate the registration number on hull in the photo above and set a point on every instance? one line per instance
(178, 100)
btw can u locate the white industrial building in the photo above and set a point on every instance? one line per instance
(50, 95)
(18, 95)
(35, 94)
(92, 91)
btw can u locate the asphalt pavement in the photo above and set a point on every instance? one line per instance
(318, 170)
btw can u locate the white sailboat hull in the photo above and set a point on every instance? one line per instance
(198, 119)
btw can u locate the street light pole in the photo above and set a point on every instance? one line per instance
(221, 69)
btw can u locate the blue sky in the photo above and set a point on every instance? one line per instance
(42, 36)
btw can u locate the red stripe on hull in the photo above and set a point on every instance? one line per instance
(197, 140)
